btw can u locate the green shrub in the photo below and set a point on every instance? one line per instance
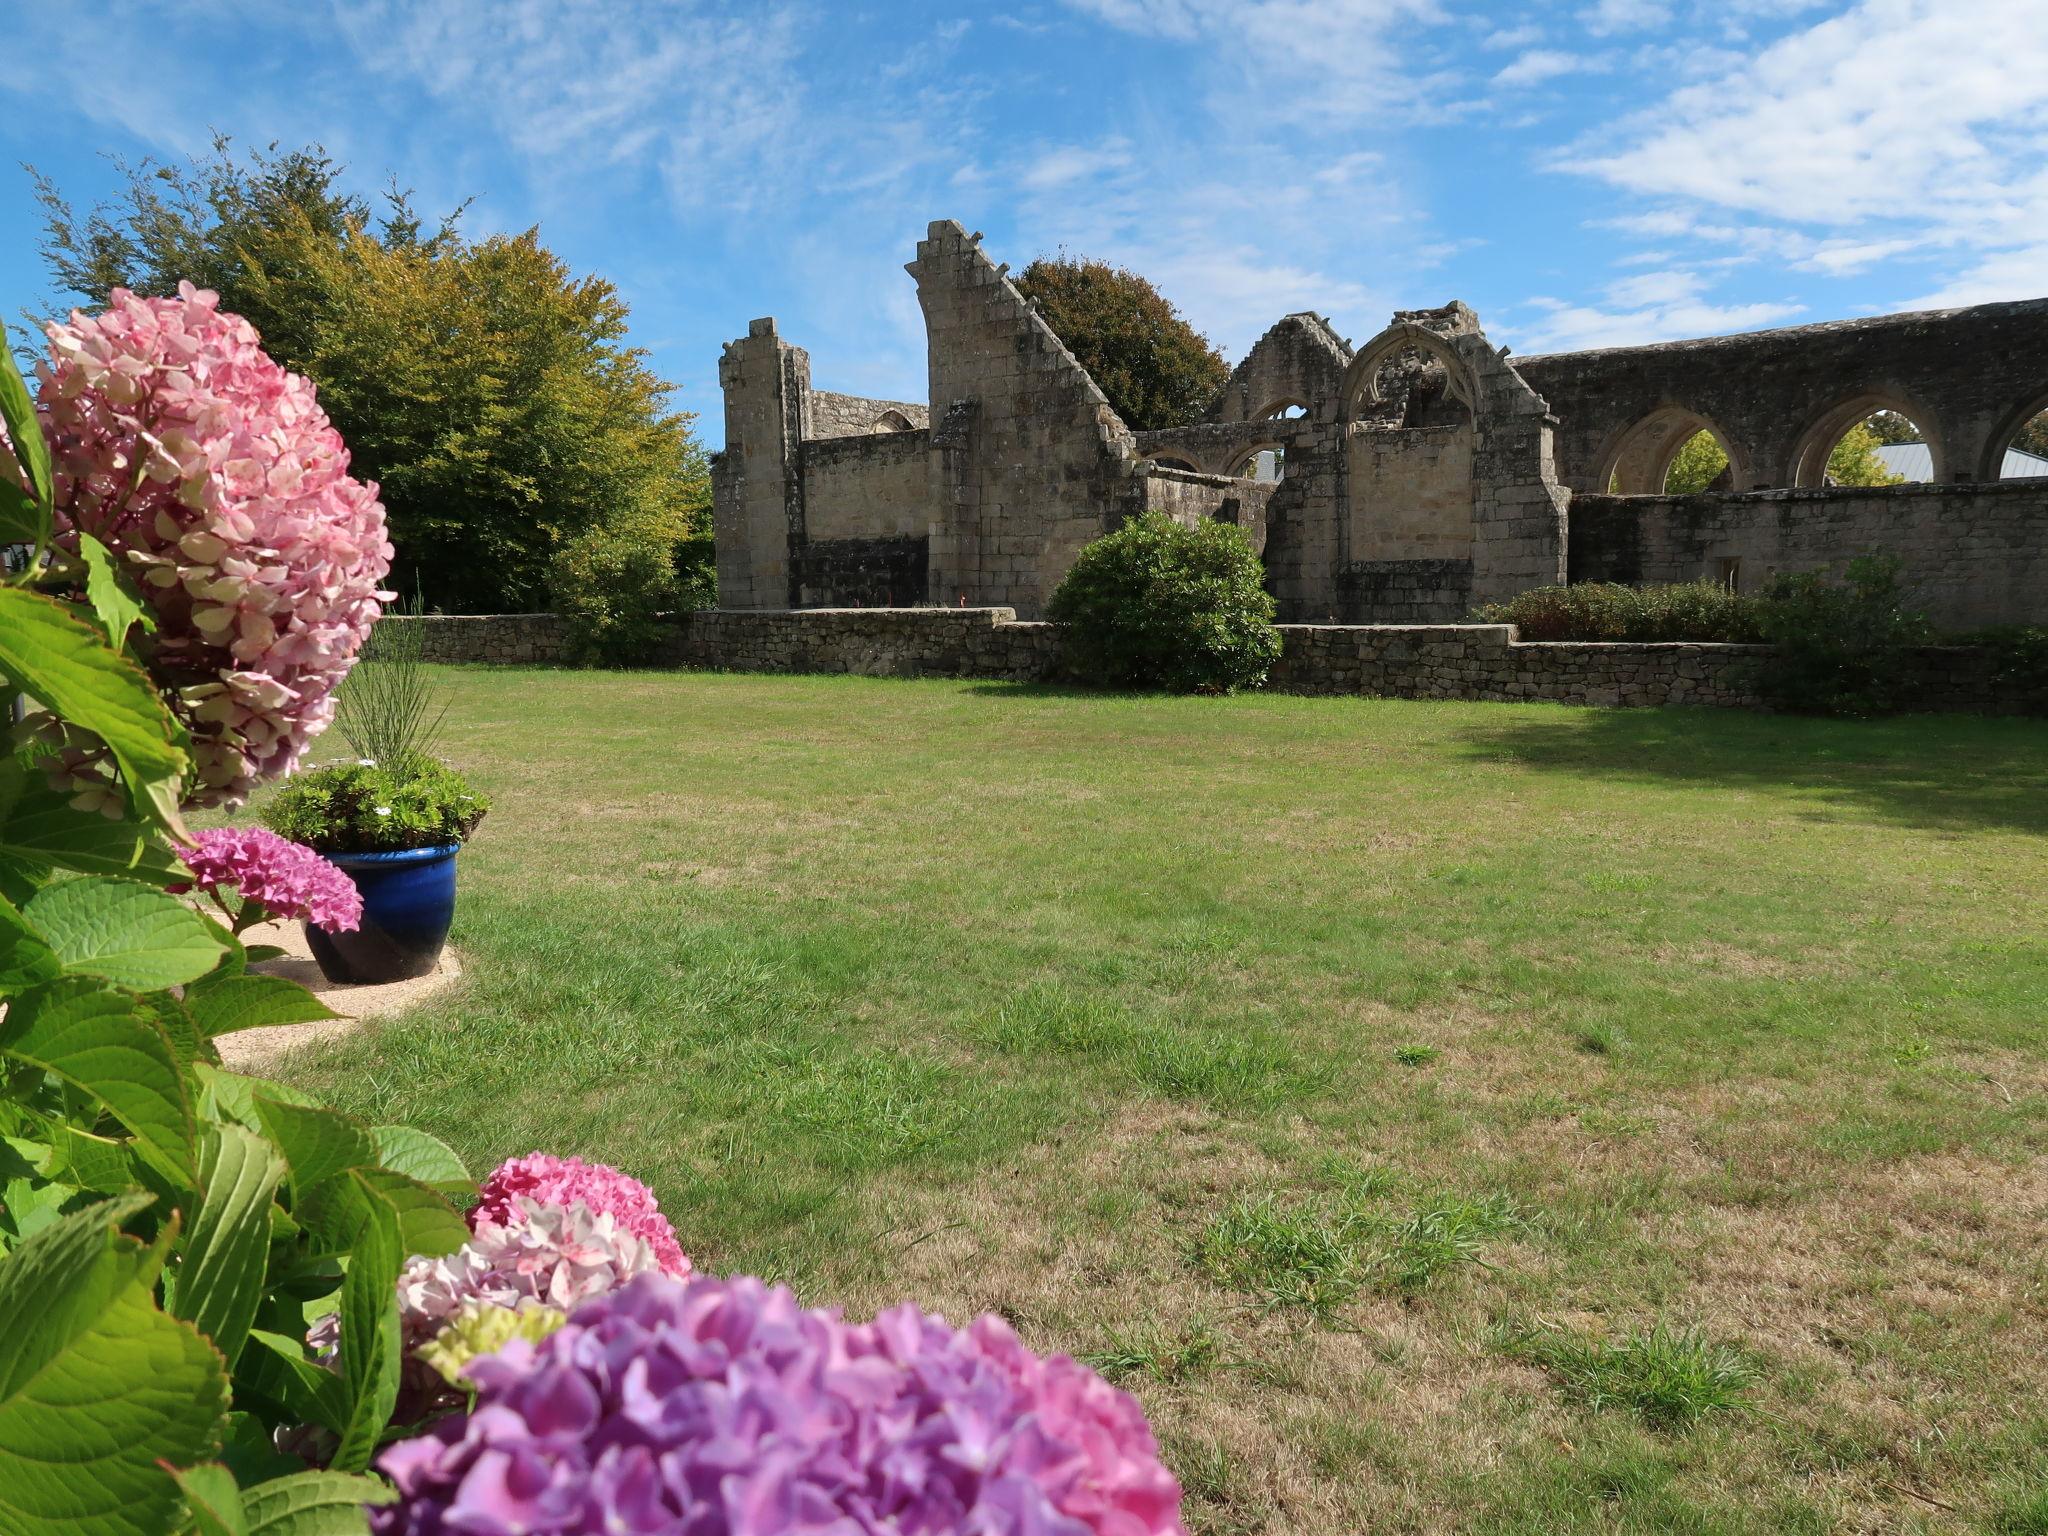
(2019, 656)
(1158, 605)
(1702, 611)
(612, 585)
(1838, 647)
(369, 807)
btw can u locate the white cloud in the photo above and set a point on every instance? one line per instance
(1611, 16)
(1506, 39)
(1071, 162)
(1540, 64)
(1563, 327)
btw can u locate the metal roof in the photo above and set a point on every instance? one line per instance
(1913, 461)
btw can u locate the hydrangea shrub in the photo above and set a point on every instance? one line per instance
(212, 472)
(275, 878)
(725, 1408)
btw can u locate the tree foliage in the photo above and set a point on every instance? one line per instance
(489, 390)
(1854, 460)
(1697, 465)
(1156, 369)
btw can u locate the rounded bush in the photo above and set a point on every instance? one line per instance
(1600, 610)
(1160, 605)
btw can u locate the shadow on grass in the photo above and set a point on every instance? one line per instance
(1946, 772)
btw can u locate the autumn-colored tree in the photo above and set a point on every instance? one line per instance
(486, 388)
(1156, 369)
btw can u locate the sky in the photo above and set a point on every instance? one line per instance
(1584, 173)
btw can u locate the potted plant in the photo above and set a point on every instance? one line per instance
(393, 819)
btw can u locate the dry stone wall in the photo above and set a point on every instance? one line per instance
(1420, 661)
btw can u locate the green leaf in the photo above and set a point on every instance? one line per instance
(414, 1153)
(123, 931)
(258, 953)
(253, 1002)
(314, 1504)
(67, 665)
(98, 1387)
(427, 1224)
(111, 592)
(95, 1040)
(275, 1367)
(213, 1500)
(226, 1095)
(369, 1328)
(24, 958)
(318, 1144)
(219, 1278)
(25, 433)
(23, 519)
(39, 827)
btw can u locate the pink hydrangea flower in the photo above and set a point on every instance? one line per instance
(287, 879)
(183, 447)
(549, 1180)
(550, 1256)
(723, 1408)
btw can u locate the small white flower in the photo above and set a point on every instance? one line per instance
(366, 762)
(383, 810)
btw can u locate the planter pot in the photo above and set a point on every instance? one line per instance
(408, 903)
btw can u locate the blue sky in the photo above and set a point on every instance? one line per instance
(1584, 172)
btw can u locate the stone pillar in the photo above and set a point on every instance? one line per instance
(757, 482)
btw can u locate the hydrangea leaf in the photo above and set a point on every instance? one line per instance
(67, 664)
(219, 1278)
(369, 1327)
(98, 1387)
(275, 1368)
(314, 1504)
(123, 931)
(403, 1149)
(253, 1002)
(226, 1095)
(212, 1501)
(25, 959)
(39, 827)
(25, 435)
(318, 1144)
(96, 1040)
(110, 592)
(23, 519)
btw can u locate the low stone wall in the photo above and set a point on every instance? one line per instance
(1403, 661)
(509, 639)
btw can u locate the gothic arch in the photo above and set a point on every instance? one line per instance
(1361, 379)
(1993, 465)
(1635, 459)
(1824, 429)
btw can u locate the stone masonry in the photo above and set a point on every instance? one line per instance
(1419, 475)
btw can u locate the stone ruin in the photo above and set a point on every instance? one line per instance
(1402, 482)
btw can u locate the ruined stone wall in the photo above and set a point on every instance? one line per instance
(1300, 362)
(868, 487)
(1029, 462)
(756, 488)
(1973, 555)
(1189, 498)
(1969, 378)
(836, 415)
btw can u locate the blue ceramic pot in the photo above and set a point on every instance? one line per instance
(408, 903)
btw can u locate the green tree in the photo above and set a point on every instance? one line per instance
(1697, 465)
(488, 390)
(1156, 369)
(2033, 437)
(1854, 460)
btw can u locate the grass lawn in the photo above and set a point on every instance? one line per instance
(1445, 1117)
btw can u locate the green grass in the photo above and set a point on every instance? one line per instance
(1671, 1377)
(1012, 999)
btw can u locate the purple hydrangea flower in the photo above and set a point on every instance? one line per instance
(724, 1408)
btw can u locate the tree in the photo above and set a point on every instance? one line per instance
(488, 390)
(1156, 369)
(1696, 466)
(1854, 460)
